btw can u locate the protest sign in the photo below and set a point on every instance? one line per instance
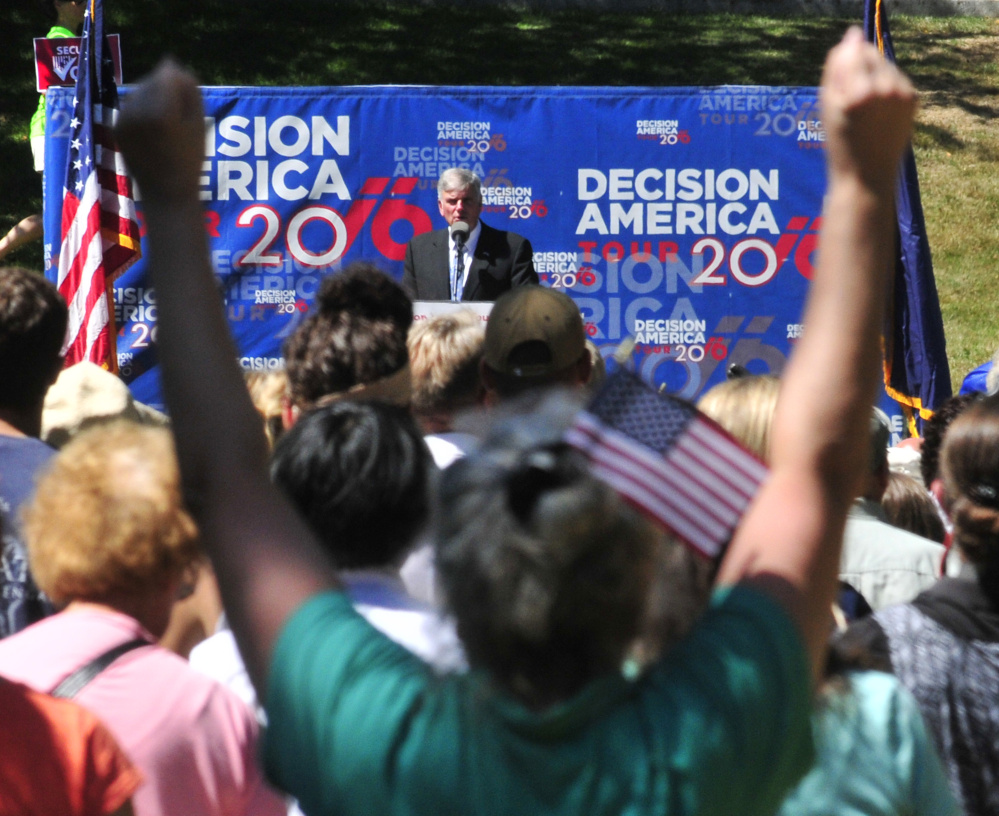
(57, 61)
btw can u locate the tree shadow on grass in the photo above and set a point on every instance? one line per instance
(939, 137)
(320, 43)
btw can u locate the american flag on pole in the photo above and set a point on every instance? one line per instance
(100, 233)
(668, 460)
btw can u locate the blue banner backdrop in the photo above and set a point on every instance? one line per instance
(686, 217)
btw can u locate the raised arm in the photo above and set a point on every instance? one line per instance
(789, 543)
(264, 556)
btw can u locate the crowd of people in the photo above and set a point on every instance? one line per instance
(383, 580)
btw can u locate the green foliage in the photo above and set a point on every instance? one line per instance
(321, 42)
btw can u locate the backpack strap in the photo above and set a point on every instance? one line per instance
(74, 683)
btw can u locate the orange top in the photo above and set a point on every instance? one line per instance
(57, 757)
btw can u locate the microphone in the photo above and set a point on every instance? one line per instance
(459, 231)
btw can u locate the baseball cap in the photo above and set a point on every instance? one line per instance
(532, 332)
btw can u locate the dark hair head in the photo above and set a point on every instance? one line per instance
(908, 505)
(933, 434)
(47, 8)
(969, 466)
(359, 475)
(33, 319)
(546, 570)
(51, 10)
(355, 334)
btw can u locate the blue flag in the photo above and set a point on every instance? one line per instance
(917, 374)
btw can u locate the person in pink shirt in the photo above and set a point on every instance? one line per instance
(113, 545)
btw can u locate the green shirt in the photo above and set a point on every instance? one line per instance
(357, 725)
(37, 127)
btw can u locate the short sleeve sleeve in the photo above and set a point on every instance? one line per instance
(339, 692)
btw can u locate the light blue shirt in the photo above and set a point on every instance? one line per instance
(874, 756)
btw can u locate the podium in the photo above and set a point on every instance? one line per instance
(422, 309)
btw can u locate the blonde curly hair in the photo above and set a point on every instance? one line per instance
(107, 517)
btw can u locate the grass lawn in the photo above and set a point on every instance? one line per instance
(954, 62)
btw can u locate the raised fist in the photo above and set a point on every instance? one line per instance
(868, 106)
(161, 132)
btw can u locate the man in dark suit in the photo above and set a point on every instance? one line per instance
(481, 265)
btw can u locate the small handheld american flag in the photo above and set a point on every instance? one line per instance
(100, 232)
(668, 460)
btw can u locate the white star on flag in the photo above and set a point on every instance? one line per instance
(100, 230)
